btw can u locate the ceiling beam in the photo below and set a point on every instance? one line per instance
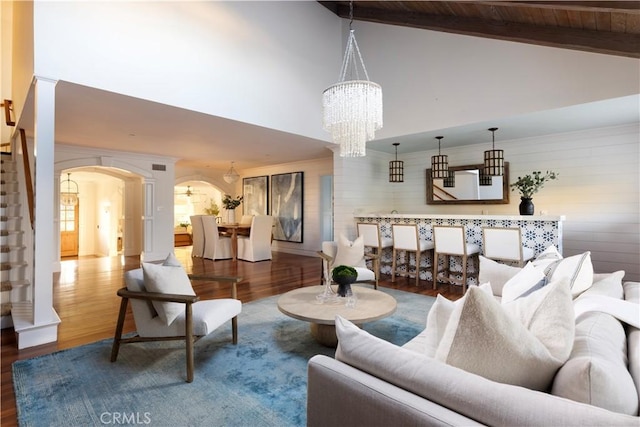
(619, 44)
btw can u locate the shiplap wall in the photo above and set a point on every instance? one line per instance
(313, 171)
(598, 189)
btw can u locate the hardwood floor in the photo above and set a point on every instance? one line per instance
(85, 299)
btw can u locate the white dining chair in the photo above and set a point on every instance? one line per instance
(197, 236)
(374, 240)
(215, 245)
(451, 241)
(505, 244)
(406, 239)
(257, 245)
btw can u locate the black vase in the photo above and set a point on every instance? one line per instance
(526, 206)
(344, 284)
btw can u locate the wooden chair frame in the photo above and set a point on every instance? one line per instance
(447, 272)
(188, 300)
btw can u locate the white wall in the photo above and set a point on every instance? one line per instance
(598, 189)
(433, 80)
(260, 62)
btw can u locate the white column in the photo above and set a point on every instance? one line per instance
(44, 251)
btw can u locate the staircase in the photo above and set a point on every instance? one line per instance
(14, 286)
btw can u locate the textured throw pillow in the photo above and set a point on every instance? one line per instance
(526, 281)
(438, 318)
(495, 273)
(350, 253)
(482, 337)
(167, 280)
(596, 373)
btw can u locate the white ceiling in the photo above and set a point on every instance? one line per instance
(95, 118)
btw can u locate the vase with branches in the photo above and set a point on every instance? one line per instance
(529, 185)
(230, 204)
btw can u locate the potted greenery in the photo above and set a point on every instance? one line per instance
(529, 185)
(344, 276)
(230, 204)
(213, 208)
(185, 225)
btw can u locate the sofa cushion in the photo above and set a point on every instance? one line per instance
(167, 279)
(607, 284)
(596, 372)
(521, 343)
(350, 253)
(632, 294)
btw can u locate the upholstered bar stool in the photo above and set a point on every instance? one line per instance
(373, 239)
(451, 241)
(407, 239)
(505, 244)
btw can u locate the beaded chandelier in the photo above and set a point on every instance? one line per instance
(352, 109)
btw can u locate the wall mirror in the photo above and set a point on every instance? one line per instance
(466, 186)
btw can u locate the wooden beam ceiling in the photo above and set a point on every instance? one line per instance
(608, 27)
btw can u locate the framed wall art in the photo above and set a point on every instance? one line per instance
(286, 206)
(255, 192)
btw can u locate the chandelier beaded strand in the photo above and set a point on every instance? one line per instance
(352, 109)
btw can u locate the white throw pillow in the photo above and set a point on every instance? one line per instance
(166, 279)
(438, 318)
(577, 269)
(482, 337)
(547, 256)
(171, 260)
(523, 283)
(350, 253)
(496, 273)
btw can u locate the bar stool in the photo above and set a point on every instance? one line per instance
(451, 241)
(407, 239)
(505, 244)
(373, 239)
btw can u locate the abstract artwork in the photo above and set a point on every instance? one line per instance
(286, 206)
(255, 192)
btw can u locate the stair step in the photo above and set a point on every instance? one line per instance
(11, 265)
(5, 309)
(13, 284)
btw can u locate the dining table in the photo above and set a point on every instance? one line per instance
(233, 230)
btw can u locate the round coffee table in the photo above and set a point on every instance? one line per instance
(302, 304)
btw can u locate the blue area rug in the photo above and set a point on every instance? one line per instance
(261, 381)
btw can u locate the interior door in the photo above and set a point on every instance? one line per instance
(69, 230)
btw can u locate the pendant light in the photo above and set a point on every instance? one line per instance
(396, 168)
(494, 159)
(439, 163)
(352, 108)
(69, 197)
(231, 176)
(450, 180)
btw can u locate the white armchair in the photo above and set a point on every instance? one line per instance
(333, 254)
(173, 315)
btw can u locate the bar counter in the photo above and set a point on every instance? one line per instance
(538, 231)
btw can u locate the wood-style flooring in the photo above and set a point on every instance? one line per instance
(85, 299)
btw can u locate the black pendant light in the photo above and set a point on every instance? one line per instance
(396, 168)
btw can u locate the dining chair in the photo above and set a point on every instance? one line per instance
(215, 245)
(197, 236)
(257, 245)
(406, 240)
(451, 241)
(374, 240)
(505, 244)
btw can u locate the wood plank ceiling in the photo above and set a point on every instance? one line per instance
(608, 27)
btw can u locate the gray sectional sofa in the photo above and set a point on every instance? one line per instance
(371, 382)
